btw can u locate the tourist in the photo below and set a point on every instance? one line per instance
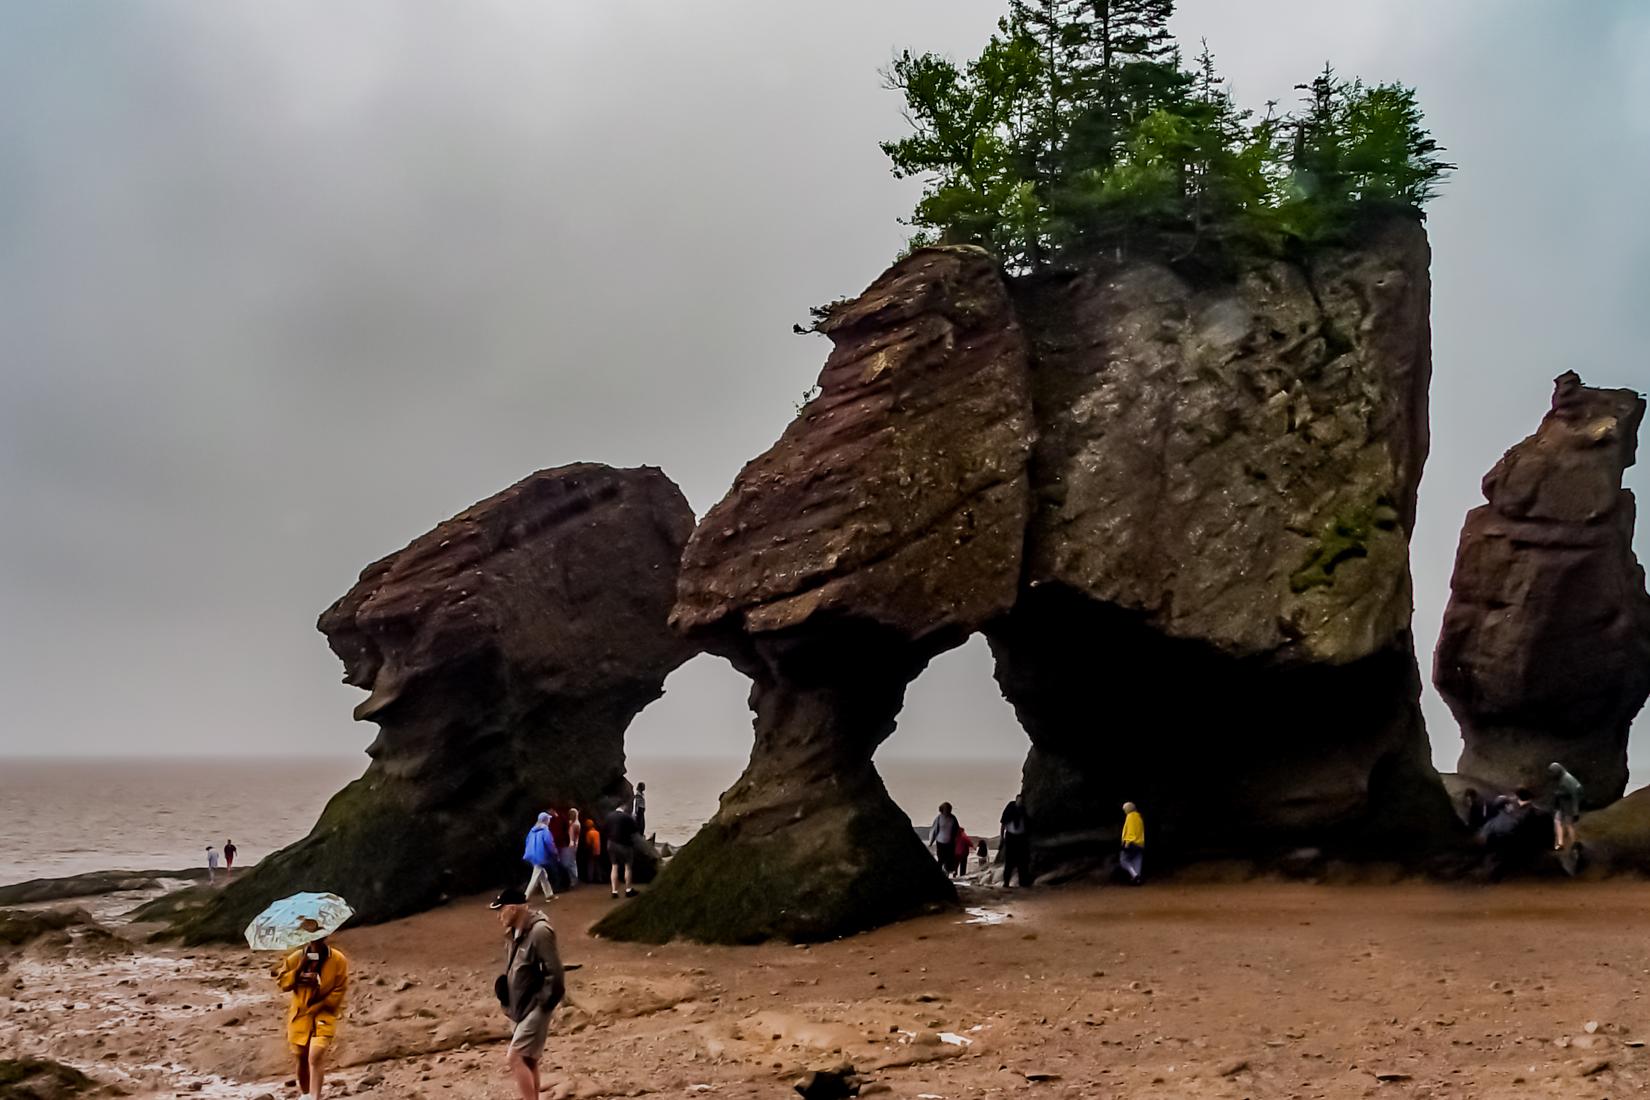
(1016, 842)
(983, 854)
(638, 809)
(1566, 806)
(530, 988)
(570, 850)
(943, 836)
(964, 847)
(621, 851)
(1514, 832)
(1133, 857)
(316, 975)
(211, 865)
(590, 853)
(540, 854)
(229, 858)
(1474, 810)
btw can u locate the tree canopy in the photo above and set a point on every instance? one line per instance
(1079, 129)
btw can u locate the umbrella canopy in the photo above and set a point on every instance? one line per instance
(295, 921)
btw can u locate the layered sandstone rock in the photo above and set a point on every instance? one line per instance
(883, 527)
(1216, 618)
(505, 653)
(1545, 650)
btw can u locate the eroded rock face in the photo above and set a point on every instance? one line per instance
(1216, 623)
(505, 653)
(885, 526)
(1545, 650)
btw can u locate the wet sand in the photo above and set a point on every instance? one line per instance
(1247, 990)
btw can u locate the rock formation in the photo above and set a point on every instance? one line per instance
(884, 527)
(1545, 650)
(1215, 622)
(505, 653)
(1181, 515)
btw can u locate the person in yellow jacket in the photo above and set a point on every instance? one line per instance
(316, 975)
(1133, 857)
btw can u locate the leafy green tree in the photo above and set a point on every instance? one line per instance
(1077, 131)
(971, 126)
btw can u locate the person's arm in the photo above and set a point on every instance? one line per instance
(329, 999)
(287, 976)
(555, 981)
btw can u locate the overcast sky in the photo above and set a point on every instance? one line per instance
(282, 285)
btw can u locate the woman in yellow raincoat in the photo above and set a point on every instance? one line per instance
(316, 975)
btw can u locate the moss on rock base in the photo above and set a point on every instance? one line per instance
(841, 871)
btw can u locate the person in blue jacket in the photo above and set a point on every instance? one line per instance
(540, 853)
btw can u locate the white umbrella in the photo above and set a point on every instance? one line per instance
(295, 921)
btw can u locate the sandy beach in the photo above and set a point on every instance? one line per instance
(1174, 990)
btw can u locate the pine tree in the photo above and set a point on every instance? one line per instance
(1077, 131)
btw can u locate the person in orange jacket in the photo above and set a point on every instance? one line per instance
(317, 976)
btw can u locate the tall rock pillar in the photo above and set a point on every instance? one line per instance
(883, 527)
(505, 653)
(1545, 650)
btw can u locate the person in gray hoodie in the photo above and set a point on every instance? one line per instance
(530, 988)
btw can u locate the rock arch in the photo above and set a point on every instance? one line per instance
(1179, 508)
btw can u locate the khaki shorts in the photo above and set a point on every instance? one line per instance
(317, 1043)
(529, 1037)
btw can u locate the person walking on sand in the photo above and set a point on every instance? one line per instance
(621, 852)
(638, 809)
(570, 850)
(211, 866)
(965, 848)
(1133, 856)
(540, 853)
(229, 858)
(942, 834)
(1016, 843)
(1566, 806)
(530, 988)
(317, 975)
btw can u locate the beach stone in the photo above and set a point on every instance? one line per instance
(504, 652)
(40, 1079)
(1545, 649)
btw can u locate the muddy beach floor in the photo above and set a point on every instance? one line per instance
(1249, 990)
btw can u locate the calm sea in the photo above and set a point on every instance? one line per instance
(63, 817)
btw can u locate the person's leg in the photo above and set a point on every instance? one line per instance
(629, 886)
(613, 877)
(303, 1070)
(1558, 832)
(536, 881)
(525, 1073)
(317, 1068)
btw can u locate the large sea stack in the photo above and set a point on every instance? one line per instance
(1545, 650)
(505, 653)
(1179, 508)
(885, 526)
(1215, 619)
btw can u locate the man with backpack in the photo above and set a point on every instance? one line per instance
(530, 988)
